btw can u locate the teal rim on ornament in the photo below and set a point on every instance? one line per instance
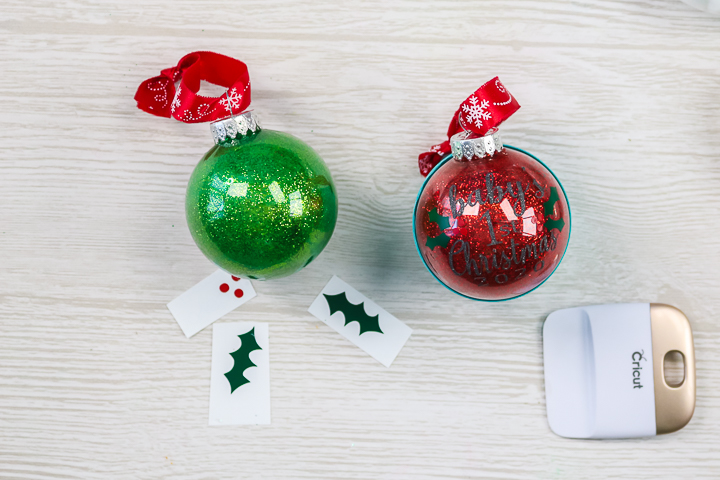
(417, 247)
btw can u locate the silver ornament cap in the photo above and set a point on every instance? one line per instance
(237, 126)
(465, 148)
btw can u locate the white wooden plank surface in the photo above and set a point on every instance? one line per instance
(96, 380)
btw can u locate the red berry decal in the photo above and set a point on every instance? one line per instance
(226, 288)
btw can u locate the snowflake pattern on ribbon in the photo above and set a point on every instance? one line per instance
(480, 114)
(231, 100)
(160, 96)
(176, 101)
(476, 112)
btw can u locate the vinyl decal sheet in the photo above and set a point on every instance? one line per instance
(217, 295)
(240, 374)
(360, 320)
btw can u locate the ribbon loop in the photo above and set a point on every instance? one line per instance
(488, 107)
(483, 111)
(159, 96)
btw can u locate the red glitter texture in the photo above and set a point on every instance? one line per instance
(516, 195)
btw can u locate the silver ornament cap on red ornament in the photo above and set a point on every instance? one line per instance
(466, 146)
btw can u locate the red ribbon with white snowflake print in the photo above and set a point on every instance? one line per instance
(480, 113)
(159, 96)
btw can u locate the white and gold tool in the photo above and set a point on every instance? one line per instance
(607, 370)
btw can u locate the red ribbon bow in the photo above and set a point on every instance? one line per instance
(483, 111)
(158, 95)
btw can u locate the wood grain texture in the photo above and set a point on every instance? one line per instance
(620, 98)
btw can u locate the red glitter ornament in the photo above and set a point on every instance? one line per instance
(491, 222)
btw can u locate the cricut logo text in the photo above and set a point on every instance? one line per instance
(637, 356)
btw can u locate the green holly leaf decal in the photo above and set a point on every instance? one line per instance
(241, 356)
(549, 205)
(442, 222)
(550, 224)
(441, 240)
(549, 208)
(353, 313)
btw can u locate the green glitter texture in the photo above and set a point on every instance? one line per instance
(263, 206)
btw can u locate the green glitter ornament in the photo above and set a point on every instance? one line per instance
(260, 204)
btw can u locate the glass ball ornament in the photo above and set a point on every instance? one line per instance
(260, 204)
(491, 222)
